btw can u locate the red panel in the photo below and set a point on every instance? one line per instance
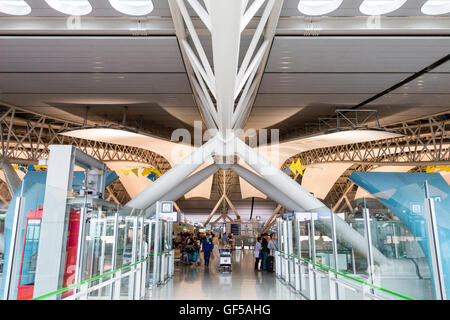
(71, 251)
(25, 292)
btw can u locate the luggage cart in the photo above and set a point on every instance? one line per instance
(225, 260)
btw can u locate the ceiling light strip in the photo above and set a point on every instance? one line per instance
(71, 7)
(377, 7)
(436, 7)
(15, 7)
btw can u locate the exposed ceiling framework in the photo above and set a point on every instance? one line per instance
(82, 70)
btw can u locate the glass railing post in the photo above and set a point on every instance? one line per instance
(302, 276)
(333, 289)
(114, 250)
(297, 275)
(335, 253)
(368, 234)
(313, 252)
(132, 276)
(312, 295)
(433, 239)
(117, 285)
(81, 242)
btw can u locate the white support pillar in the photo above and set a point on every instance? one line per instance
(173, 177)
(303, 198)
(226, 17)
(266, 188)
(186, 186)
(11, 176)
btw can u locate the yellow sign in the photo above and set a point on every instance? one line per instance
(437, 168)
(297, 167)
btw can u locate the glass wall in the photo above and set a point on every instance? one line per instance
(382, 250)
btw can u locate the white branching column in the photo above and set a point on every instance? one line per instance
(225, 92)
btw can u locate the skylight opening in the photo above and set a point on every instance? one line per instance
(14, 7)
(380, 7)
(133, 7)
(318, 7)
(71, 7)
(436, 7)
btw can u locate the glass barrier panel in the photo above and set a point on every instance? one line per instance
(406, 270)
(291, 243)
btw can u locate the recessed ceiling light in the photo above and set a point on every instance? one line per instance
(15, 7)
(318, 7)
(379, 7)
(436, 7)
(71, 7)
(133, 7)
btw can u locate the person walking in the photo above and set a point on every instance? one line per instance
(265, 250)
(207, 246)
(215, 241)
(258, 254)
(224, 239)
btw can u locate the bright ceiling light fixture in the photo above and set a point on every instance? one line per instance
(379, 7)
(15, 7)
(71, 7)
(318, 7)
(133, 7)
(436, 7)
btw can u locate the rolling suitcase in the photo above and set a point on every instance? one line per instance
(270, 263)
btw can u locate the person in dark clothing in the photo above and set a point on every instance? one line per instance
(265, 250)
(207, 246)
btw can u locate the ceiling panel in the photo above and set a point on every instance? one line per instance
(356, 54)
(431, 83)
(442, 68)
(40, 100)
(350, 8)
(94, 83)
(318, 83)
(100, 8)
(90, 54)
(298, 99)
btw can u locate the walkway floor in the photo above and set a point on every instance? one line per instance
(200, 283)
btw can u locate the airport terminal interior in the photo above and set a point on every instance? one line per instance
(224, 149)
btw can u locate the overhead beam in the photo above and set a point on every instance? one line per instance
(219, 202)
(293, 26)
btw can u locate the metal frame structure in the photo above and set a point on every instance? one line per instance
(50, 263)
(425, 141)
(26, 137)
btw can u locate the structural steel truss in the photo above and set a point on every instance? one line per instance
(424, 141)
(26, 137)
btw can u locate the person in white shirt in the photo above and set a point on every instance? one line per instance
(258, 248)
(273, 244)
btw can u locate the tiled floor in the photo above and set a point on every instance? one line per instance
(200, 283)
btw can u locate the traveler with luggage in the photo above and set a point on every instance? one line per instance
(272, 246)
(207, 247)
(265, 250)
